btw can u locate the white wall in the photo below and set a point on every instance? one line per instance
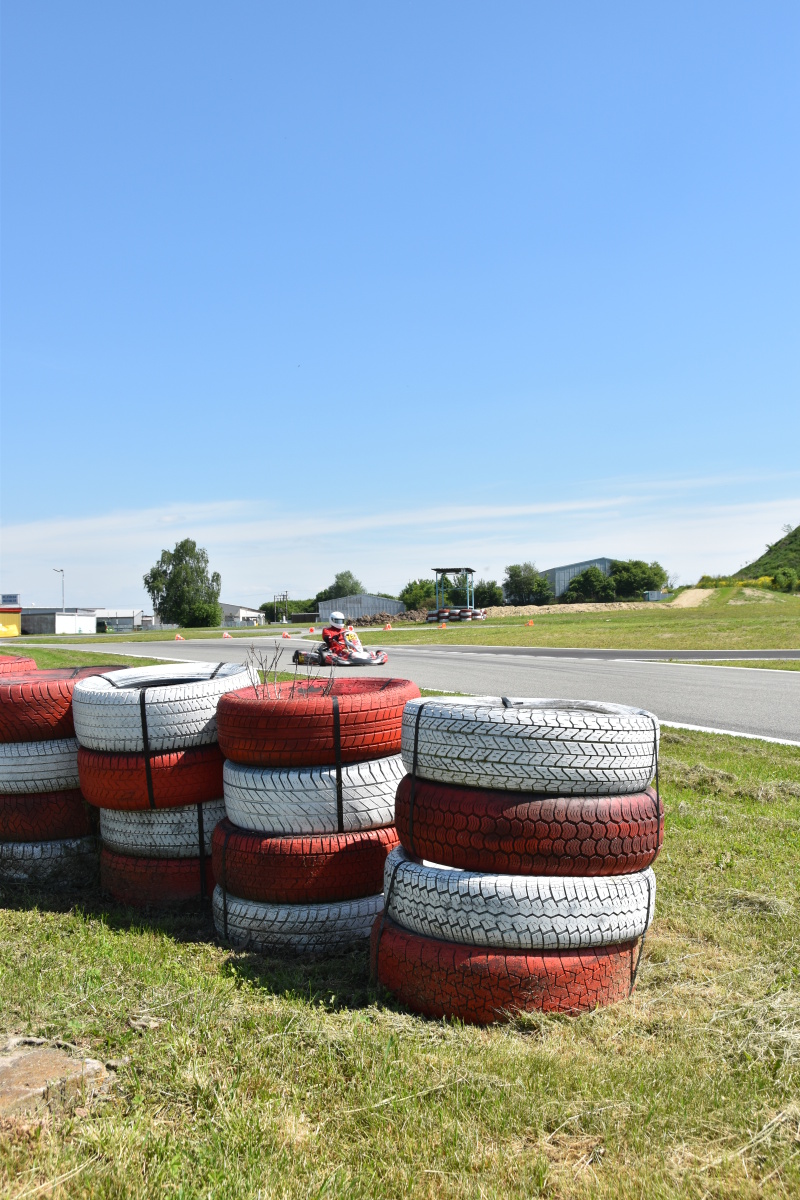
(76, 623)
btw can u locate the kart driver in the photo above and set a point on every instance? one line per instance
(333, 635)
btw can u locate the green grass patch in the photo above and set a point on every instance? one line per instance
(76, 658)
(770, 664)
(731, 619)
(277, 1078)
(158, 635)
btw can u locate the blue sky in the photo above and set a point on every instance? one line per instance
(373, 286)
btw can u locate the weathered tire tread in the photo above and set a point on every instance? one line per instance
(61, 864)
(517, 912)
(316, 869)
(119, 781)
(292, 732)
(296, 928)
(50, 766)
(546, 747)
(479, 986)
(179, 714)
(158, 882)
(37, 706)
(161, 833)
(512, 833)
(285, 801)
(45, 817)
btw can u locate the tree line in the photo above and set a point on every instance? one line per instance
(184, 592)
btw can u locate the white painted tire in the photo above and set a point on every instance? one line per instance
(554, 747)
(162, 833)
(517, 912)
(71, 863)
(39, 766)
(299, 928)
(181, 706)
(285, 801)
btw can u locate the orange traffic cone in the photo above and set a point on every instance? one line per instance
(443, 625)
(387, 627)
(286, 635)
(178, 638)
(530, 622)
(226, 634)
(311, 629)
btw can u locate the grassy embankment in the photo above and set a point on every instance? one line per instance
(252, 1076)
(728, 620)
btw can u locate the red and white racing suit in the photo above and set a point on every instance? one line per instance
(335, 641)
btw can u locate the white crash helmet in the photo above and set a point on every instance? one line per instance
(337, 620)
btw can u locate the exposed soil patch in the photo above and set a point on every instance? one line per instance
(691, 598)
(39, 1076)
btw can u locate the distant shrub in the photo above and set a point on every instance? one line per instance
(590, 585)
(632, 578)
(523, 584)
(488, 593)
(418, 593)
(785, 580)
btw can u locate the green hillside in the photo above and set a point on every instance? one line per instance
(785, 553)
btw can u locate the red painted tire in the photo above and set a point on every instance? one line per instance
(441, 979)
(119, 781)
(318, 869)
(16, 664)
(45, 817)
(299, 732)
(156, 881)
(37, 706)
(513, 833)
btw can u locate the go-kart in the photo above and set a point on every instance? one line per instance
(354, 654)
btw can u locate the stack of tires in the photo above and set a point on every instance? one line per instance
(310, 780)
(47, 833)
(149, 761)
(523, 879)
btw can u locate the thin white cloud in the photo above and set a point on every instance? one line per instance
(260, 550)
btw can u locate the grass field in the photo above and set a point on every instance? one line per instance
(728, 620)
(157, 635)
(242, 1076)
(70, 658)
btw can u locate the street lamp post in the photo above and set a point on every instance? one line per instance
(60, 571)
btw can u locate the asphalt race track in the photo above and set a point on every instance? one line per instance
(763, 703)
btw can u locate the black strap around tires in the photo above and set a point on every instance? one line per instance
(387, 898)
(635, 970)
(201, 847)
(414, 781)
(223, 883)
(337, 747)
(390, 889)
(146, 746)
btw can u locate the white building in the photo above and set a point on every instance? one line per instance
(80, 620)
(239, 614)
(54, 620)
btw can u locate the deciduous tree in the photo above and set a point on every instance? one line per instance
(182, 591)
